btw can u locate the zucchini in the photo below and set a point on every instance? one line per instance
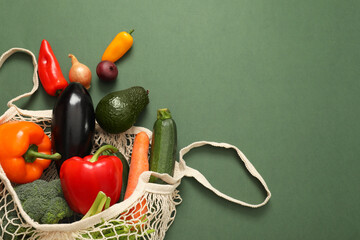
(125, 173)
(163, 145)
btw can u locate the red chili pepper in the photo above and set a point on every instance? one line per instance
(83, 178)
(49, 70)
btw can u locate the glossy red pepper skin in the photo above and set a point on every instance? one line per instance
(51, 77)
(81, 180)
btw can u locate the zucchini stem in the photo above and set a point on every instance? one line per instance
(163, 113)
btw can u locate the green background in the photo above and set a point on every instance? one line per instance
(277, 78)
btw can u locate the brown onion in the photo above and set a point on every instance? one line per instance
(79, 72)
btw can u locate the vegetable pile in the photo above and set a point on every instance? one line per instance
(87, 184)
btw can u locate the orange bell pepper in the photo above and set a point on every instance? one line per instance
(24, 151)
(118, 46)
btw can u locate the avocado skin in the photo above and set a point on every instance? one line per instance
(118, 111)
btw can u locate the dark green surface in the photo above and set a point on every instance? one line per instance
(277, 78)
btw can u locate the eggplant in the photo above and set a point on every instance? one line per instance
(73, 123)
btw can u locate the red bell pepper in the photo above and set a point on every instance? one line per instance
(49, 71)
(83, 178)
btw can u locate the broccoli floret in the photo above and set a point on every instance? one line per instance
(44, 201)
(57, 212)
(30, 190)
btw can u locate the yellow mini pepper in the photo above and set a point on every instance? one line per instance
(118, 46)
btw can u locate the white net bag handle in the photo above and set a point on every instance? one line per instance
(190, 172)
(12, 107)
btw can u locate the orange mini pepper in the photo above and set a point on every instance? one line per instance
(24, 151)
(118, 46)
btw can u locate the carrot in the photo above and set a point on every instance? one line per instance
(139, 163)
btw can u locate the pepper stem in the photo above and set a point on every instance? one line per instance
(131, 31)
(95, 157)
(32, 154)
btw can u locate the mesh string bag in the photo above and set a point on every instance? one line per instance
(146, 214)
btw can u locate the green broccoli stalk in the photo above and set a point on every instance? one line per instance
(44, 201)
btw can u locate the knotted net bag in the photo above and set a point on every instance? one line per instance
(156, 203)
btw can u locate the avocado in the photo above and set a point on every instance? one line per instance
(118, 111)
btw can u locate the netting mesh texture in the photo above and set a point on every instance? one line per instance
(13, 226)
(147, 218)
